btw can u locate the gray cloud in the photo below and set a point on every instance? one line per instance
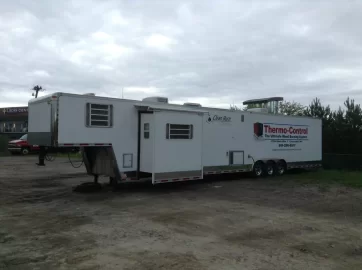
(217, 53)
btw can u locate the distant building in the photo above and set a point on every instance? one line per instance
(13, 121)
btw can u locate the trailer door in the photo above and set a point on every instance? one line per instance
(177, 146)
(146, 142)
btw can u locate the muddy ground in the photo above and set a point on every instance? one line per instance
(220, 224)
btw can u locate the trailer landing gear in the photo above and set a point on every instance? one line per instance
(96, 179)
(41, 156)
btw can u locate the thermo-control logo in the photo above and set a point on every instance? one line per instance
(280, 131)
(258, 129)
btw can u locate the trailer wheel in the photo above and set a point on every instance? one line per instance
(281, 167)
(258, 169)
(24, 151)
(270, 168)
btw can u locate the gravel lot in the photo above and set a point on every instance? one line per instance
(231, 224)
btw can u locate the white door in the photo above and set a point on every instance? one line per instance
(146, 142)
(177, 146)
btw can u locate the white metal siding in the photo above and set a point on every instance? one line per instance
(123, 134)
(172, 155)
(221, 137)
(306, 150)
(39, 119)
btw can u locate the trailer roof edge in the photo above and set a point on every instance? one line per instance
(145, 106)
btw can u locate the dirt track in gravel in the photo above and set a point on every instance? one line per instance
(231, 224)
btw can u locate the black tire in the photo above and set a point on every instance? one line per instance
(25, 151)
(270, 168)
(259, 169)
(281, 167)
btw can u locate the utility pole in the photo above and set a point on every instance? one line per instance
(42, 150)
(37, 89)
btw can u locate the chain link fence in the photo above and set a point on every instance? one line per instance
(342, 161)
(3, 144)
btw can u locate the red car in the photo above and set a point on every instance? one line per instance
(21, 146)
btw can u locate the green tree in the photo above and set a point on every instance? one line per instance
(351, 135)
(234, 108)
(291, 108)
(353, 115)
(316, 109)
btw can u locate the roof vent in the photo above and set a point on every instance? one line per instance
(156, 99)
(191, 104)
(89, 94)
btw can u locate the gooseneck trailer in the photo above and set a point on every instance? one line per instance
(153, 140)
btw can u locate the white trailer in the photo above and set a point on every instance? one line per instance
(130, 140)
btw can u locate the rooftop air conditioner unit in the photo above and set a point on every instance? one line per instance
(156, 99)
(191, 104)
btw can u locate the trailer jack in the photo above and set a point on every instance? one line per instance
(42, 154)
(95, 179)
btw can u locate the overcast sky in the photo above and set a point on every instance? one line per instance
(208, 51)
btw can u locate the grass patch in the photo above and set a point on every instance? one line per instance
(325, 178)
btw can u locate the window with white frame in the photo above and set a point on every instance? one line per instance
(178, 131)
(99, 115)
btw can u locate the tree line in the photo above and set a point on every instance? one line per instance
(341, 129)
